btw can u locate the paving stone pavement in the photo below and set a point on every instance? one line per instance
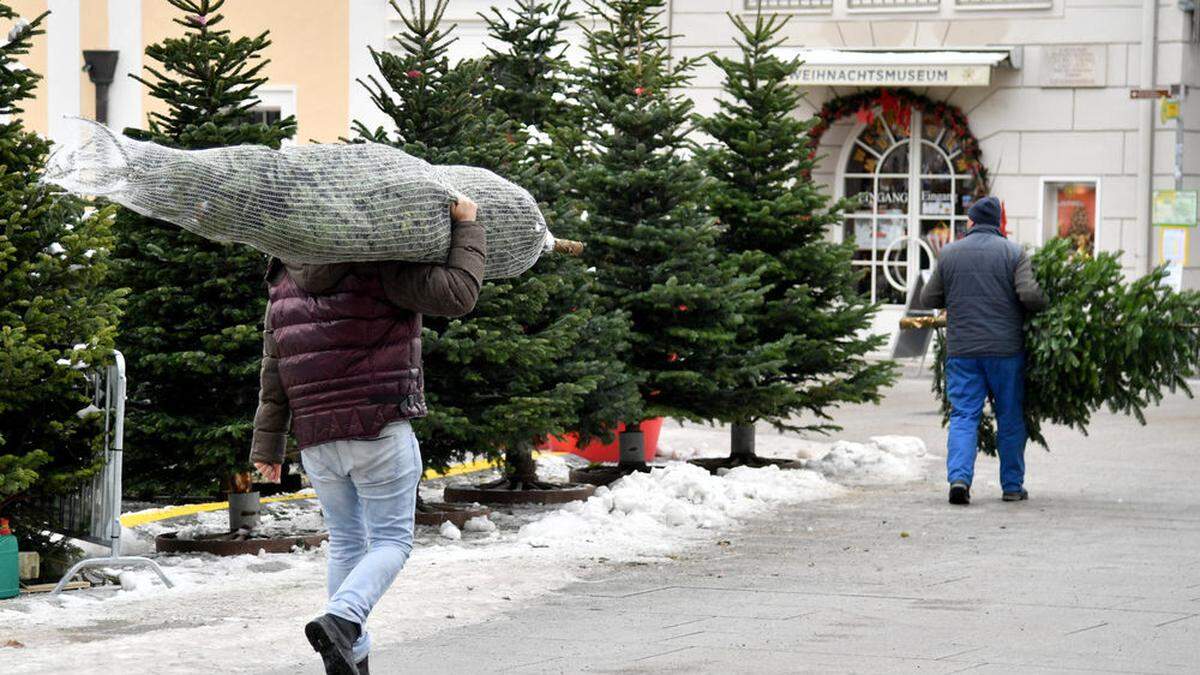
(1099, 572)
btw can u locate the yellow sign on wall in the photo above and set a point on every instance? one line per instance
(1168, 109)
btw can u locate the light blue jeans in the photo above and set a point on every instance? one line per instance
(368, 495)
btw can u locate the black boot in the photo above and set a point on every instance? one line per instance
(960, 493)
(362, 667)
(333, 638)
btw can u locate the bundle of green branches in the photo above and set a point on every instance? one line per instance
(1101, 342)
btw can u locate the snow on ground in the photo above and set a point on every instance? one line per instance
(243, 614)
(881, 460)
(688, 441)
(884, 459)
(655, 513)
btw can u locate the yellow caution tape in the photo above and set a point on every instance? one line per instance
(165, 513)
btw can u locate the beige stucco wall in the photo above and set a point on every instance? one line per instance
(308, 51)
(36, 115)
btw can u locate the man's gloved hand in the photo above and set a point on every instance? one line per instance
(463, 210)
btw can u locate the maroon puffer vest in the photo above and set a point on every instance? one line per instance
(349, 360)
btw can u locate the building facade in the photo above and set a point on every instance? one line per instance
(924, 103)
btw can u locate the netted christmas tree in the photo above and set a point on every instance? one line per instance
(1101, 342)
(652, 244)
(533, 358)
(58, 312)
(776, 219)
(193, 329)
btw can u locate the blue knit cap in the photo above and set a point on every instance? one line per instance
(986, 211)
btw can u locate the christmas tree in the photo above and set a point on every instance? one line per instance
(777, 220)
(192, 334)
(533, 358)
(58, 314)
(653, 247)
(527, 83)
(1101, 342)
(529, 74)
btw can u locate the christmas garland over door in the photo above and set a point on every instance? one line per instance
(898, 105)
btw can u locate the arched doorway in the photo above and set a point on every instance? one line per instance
(915, 182)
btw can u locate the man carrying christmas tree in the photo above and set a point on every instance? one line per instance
(342, 367)
(986, 285)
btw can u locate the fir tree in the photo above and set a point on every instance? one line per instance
(192, 335)
(529, 73)
(533, 358)
(778, 221)
(528, 85)
(653, 247)
(57, 310)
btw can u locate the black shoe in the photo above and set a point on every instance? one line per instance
(1016, 496)
(960, 493)
(333, 638)
(362, 667)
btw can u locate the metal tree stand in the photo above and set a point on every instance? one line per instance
(105, 490)
(632, 445)
(741, 453)
(518, 484)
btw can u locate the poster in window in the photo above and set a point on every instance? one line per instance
(1077, 214)
(878, 235)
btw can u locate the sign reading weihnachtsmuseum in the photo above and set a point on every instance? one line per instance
(899, 75)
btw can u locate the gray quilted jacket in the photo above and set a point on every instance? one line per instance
(986, 285)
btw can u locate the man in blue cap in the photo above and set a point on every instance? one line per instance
(985, 283)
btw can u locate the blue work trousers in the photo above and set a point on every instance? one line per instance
(969, 381)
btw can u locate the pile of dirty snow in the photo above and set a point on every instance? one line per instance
(655, 512)
(883, 459)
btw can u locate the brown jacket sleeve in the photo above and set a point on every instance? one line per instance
(274, 417)
(447, 289)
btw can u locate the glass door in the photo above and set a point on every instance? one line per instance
(884, 169)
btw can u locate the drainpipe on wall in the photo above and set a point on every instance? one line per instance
(1145, 184)
(101, 65)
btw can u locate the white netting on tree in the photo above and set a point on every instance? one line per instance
(310, 203)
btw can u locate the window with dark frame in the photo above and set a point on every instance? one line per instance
(263, 115)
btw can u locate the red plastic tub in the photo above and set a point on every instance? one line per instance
(597, 451)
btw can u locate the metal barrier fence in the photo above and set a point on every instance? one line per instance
(93, 512)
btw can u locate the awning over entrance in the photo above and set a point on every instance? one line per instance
(900, 68)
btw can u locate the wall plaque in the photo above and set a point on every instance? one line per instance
(1073, 66)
